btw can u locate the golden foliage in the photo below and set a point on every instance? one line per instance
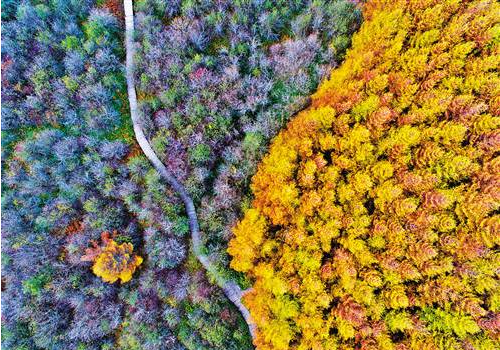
(112, 261)
(375, 221)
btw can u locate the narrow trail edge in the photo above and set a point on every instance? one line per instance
(231, 289)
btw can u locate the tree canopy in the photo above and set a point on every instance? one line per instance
(375, 222)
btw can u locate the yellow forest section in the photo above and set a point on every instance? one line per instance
(375, 221)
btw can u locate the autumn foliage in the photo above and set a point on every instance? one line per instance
(112, 261)
(375, 221)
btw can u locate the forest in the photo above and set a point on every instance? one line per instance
(250, 174)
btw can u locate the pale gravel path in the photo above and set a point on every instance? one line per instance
(231, 289)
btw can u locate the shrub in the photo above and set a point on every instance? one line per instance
(252, 142)
(200, 153)
(164, 252)
(375, 218)
(35, 284)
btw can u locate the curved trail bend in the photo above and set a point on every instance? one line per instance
(231, 289)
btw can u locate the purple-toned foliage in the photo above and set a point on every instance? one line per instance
(61, 71)
(163, 251)
(53, 62)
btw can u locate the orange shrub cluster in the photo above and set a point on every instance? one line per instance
(113, 261)
(375, 222)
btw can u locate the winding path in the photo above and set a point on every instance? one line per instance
(231, 289)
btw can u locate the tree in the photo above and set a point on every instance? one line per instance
(112, 261)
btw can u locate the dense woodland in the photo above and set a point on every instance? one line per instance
(95, 247)
(342, 157)
(375, 221)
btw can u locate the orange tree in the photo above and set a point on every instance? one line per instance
(375, 221)
(112, 261)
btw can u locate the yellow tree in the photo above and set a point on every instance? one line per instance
(112, 261)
